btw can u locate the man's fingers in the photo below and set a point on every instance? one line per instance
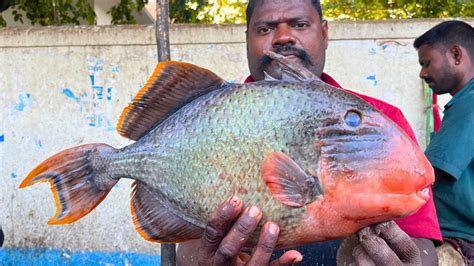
(237, 236)
(288, 258)
(399, 241)
(218, 224)
(376, 248)
(361, 257)
(266, 244)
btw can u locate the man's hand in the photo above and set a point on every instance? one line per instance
(386, 244)
(228, 229)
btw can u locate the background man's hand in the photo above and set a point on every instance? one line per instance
(386, 244)
(228, 229)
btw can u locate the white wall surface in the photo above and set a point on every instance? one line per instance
(64, 86)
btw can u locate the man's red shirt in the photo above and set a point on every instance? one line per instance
(423, 223)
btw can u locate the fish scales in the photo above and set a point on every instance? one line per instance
(206, 137)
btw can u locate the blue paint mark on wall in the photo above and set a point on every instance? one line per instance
(24, 100)
(40, 257)
(38, 143)
(110, 125)
(109, 94)
(99, 92)
(70, 94)
(2, 138)
(372, 77)
(13, 175)
(96, 101)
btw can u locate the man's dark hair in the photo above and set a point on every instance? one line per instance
(251, 7)
(448, 33)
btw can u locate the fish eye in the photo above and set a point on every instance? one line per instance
(352, 118)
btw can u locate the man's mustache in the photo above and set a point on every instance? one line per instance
(265, 60)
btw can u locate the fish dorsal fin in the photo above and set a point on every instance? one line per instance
(288, 182)
(290, 71)
(157, 220)
(171, 85)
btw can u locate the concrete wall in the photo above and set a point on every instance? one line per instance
(64, 86)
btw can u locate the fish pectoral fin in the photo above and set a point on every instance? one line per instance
(72, 174)
(171, 86)
(288, 182)
(157, 220)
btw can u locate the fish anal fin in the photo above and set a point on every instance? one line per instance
(155, 220)
(72, 179)
(287, 181)
(171, 85)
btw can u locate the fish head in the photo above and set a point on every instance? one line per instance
(369, 169)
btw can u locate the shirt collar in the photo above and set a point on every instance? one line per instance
(324, 77)
(464, 90)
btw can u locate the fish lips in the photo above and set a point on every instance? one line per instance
(382, 207)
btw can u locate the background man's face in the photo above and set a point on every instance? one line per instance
(289, 27)
(437, 69)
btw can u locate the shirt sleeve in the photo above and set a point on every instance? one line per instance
(452, 147)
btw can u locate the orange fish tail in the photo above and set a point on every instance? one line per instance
(78, 179)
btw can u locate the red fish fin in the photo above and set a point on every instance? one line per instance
(156, 220)
(72, 177)
(288, 182)
(171, 85)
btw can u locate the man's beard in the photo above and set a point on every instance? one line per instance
(445, 83)
(265, 60)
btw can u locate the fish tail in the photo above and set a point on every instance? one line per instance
(78, 178)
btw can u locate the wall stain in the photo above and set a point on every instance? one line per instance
(372, 77)
(390, 44)
(96, 101)
(71, 94)
(24, 101)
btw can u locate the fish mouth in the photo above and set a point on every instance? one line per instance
(385, 206)
(424, 194)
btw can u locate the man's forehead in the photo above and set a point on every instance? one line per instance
(280, 1)
(288, 8)
(259, 3)
(436, 48)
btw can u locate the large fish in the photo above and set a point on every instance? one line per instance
(319, 161)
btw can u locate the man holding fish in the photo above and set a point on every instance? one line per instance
(299, 159)
(296, 30)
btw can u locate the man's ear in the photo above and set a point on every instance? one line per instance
(324, 28)
(457, 53)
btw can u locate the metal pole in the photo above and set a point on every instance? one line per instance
(168, 251)
(162, 30)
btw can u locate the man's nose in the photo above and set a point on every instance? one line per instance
(422, 73)
(283, 35)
